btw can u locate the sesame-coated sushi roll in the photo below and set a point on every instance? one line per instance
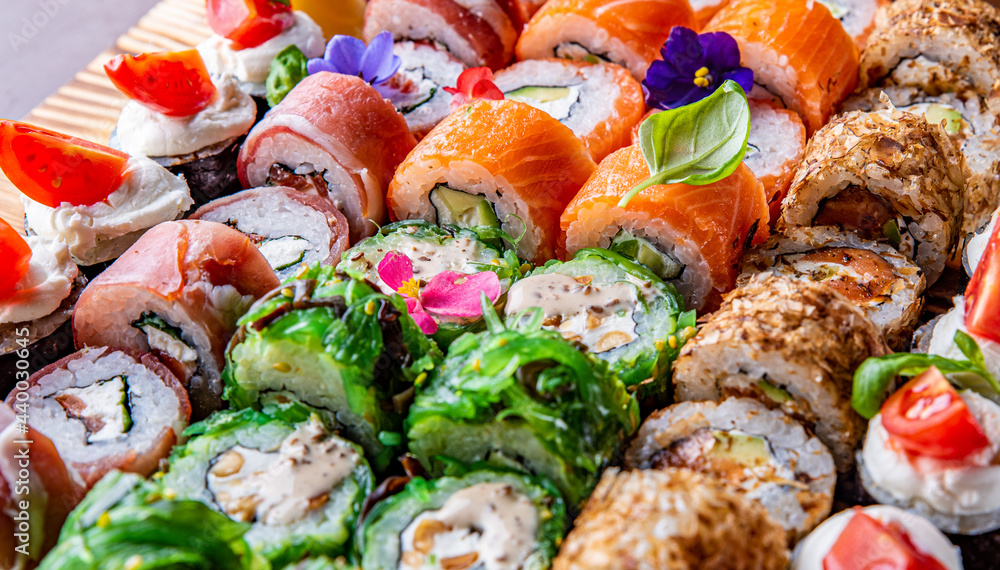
(503, 164)
(887, 175)
(792, 345)
(763, 453)
(671, 520)
(628, 33)
(774, 149)
(417, 89)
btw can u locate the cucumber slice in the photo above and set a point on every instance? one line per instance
(538, 93)
(641, 250)
(953, 119)
(463, 210)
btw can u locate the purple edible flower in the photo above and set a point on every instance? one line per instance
(349, 56)
(693, 67)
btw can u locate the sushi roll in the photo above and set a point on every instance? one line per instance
(629, 34)
(600, 102)
(486, 518)
(763, 453)
(177, 293)
(612, 308)
(299, 486)
(857, 17)
(778, 40)
(793, 345)
(522, 397)
(335, 137)
(502, 164)
(337, 344)
(673, 520)
(975, 246)
(417, 89)
(106, 409)
(480, 33)
(873, 535)
(774, 149)
(876, 277)
(97, 199)
(182, 119)
(288, 227)
(887, 175)
(690, 236)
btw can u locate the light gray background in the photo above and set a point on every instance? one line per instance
(43, 43)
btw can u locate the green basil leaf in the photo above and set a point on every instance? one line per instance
(969, 348)
(696, 144)
(288, 68)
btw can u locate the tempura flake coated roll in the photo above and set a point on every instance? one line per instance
(792, 345)
(671, 520)
(178, 293)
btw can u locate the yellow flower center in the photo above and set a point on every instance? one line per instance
(702, 78)
(409, 288)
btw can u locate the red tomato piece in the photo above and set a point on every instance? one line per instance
(927, 417)
(52, 168)
(867, 544)
(175, 83)
(249, 23)
(982, 296)
(14, 257)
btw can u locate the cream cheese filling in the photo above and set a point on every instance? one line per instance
(48, 281)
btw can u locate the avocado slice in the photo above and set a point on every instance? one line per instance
(538, 93)
(891, 231)
(953, 119)
(641, 250)
(464, 210)
(771, 391)
(747, 450)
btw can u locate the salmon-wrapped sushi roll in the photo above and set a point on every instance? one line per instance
(780, 41)
(629, 33)
(333, 136)
(691, 236)
(495, 163)
(178, 293)
(600, 102)
(774, 149)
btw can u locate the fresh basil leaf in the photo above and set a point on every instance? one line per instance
(696, 144)
(969, 348)
(288, 68)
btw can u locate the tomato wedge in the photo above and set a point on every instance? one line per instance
(249, 23)
(52, 168)
(927, 417)
(867, 544)
(175, 83)
(14, 257)
(982, 296)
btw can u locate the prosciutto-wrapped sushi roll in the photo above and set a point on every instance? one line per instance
(486, 518)
(105, 409)
(298, 485)
(887, 175)
(792, 345)
(289, 228)
(600, 102)
(177, 293)
(690, 236)
(674, 519)
(336, 344)
(502, 164)
(333, 136)
(627, 33)
(417, 89)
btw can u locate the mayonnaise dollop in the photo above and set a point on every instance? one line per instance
(46, 284)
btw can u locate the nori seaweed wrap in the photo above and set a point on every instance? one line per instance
(334, 343)
(487, 518)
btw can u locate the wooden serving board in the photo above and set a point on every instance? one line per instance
(88, 106)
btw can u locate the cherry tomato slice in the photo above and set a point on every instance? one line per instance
(176, 83)
(927, 417)
(52, 168)
(14, 257)
(868, 544)
(249, 23)
(982, 296)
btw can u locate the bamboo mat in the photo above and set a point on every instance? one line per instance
(88, 106)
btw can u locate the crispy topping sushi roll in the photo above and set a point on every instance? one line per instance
(522, 397)
(601, 102)
(627, 33)
(689, 236)
(177, 293)
(502, 164)
(876, 533)
(487, 518)
(887, 175)
(289, 228)
(793, 345)
(333, 136)
(760, 452)
(673, 520)
(299, 486)
(417, 89)
(876, 277)
(337, 344)
(779, 39)
(612, 308)
(106, 409)
(774, 149)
